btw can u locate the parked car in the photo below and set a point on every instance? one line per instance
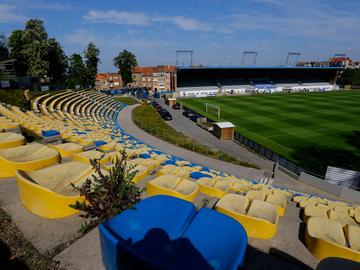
(194, 117)
(188, 113)
(154, 103)
(176, 106)
(166, 116)
(158, 108)
(163, 111)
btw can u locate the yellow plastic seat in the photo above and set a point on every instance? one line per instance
(281, 192)
(173, 186)
(325, 238)
(214, 188)
(68, 149)
(28, 157)
(108, 147)
(357, 217)
(184, 172)
(263, 210)
(259, 221)
(48, 192)
(167, 169)
(8, 125)
(314, 211)
(141, 173)
(240, 185)
(91, 155)
(279, 200)
(10, 139)
(299, 199)
(341, 217)
(308, 202)
(352, 233)
(256, 195)
(149, 163)
(234, 202)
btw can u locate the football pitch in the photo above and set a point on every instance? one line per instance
(311, 129)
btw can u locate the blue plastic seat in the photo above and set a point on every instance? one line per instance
(164, 232)
(169, 214)
(221, 240)
(198, 175)
(50, 133)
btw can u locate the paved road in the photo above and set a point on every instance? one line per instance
(190, 129)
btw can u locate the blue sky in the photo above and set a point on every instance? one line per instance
(217, 30)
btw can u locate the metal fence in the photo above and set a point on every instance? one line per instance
(269, 154)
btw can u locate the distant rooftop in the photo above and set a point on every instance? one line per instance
(254, 67)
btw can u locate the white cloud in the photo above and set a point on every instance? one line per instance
(189, 24)
(142, 19)
(82, 37)
(9, 13)
(41, 5)
(118, 17)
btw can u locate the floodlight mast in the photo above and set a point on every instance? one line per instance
(249, 53)
(290, 54)
(180, 52)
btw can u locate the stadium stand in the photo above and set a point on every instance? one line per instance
(210, 81)
(86, 123)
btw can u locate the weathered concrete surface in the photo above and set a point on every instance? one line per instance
(44, 234)
(286, 244)
(84, 254)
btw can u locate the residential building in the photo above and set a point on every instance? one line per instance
(106, 81)
(159, 78)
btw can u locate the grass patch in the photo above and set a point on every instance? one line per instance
(313, 130)
(145, 117)
(127, 100)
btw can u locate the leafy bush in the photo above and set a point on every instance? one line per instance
(107, 195)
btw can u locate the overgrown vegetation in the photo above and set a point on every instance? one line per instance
(147, 119)
(107, 195)
(16, 252)
(127, 100)
(16, 97)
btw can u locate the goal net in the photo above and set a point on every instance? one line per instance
(212, 109)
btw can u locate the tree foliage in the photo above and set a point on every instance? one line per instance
(58, 62)
(91, 62)
(4, 52)
(350, 77)
(107, 195)
(125, 62)
(76, 71)
(17, 47)
(36, 48)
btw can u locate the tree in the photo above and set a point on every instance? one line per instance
(17, 46)
(351, 77)
(91, 63)
(58, 62)
(76, 72)
(125, 62)
(4, 52)
(36, 48)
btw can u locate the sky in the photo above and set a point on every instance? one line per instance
(218, 31)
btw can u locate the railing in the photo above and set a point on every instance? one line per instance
(269, 154)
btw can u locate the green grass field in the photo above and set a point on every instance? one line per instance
(312, 129)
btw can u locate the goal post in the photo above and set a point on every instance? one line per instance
(212, 109)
